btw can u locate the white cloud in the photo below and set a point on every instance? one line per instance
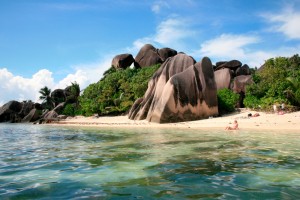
(227, 46)
(158, 6)
(86, 74)
(286, 22)
(18, 88)
(171, 32)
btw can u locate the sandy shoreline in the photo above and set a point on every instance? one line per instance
(266, 121)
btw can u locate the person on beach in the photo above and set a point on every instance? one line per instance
(234, 127)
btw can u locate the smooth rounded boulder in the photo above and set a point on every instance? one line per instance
(188, 95)
(147, 56)
(165, 53)
(122, 61)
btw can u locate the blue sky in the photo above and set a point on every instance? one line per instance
(56, 42)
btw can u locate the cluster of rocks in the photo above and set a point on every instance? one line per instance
(28, 111)
(147, 56)
(183, 89)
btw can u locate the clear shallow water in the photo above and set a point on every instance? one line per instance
(41, 162)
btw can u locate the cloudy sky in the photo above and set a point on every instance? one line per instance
(55, 42)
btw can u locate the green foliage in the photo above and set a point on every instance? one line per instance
(116, 91)
(68, 110)
(276, 82)
(252, 102)
(227, 100)
(46, 97)
(71, 110)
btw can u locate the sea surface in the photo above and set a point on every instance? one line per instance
(48, 162)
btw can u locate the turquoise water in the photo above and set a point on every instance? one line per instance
(42, 162)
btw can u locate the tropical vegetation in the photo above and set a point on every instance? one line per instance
(276, 82)
(46, 98)
(116, 92)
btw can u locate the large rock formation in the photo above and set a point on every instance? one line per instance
(9, 111)
(122, 61)
(170, 67)
(179, 91)
(147, 56)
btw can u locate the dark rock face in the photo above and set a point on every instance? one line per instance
(32, 116)
(9, 112)
(179, 91)
(122, 61)
(233, 65)
(70, 98)
(15, 111)
(220, 63)
(165, 53)
(147, 56)
(38, 106)
(27, 106)
(244, 70)
(223, 78)
(58, 96)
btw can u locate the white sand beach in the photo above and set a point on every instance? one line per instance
(266, 121)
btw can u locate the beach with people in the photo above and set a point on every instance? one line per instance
(265, 121)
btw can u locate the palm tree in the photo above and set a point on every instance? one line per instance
(75, 89)
(46, 97)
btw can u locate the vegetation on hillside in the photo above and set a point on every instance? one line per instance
(116, 92)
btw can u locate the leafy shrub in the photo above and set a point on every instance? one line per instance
(227, 100)
(252, 102)
(69, 110)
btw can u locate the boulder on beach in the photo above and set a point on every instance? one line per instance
(179, 91)
(9, 111)
(170, 67)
